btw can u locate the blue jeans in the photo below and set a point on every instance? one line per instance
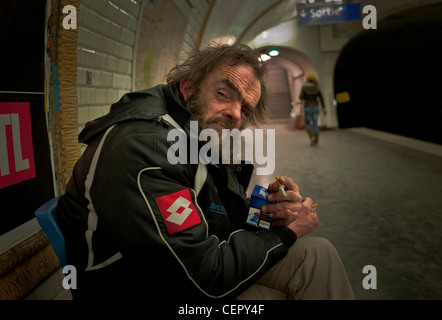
(311, 118)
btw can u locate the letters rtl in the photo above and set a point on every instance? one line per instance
(16, 149)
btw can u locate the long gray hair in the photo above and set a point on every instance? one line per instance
(201, 63)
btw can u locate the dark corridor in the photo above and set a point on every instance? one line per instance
(392, 75)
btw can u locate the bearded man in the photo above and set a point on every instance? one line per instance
(137, 226)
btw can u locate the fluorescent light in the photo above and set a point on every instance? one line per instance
(265, 57)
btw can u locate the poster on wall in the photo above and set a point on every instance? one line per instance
(26, 177)
(16, 149)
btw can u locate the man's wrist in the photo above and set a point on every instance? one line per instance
(287, 236)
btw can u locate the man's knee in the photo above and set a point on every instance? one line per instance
(314, 246)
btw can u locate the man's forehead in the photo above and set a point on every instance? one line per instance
(243, 78)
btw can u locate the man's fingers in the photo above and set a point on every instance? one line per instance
(287, 183)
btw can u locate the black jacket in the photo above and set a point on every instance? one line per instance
(137, 226)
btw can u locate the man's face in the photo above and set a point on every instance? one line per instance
(227, 98)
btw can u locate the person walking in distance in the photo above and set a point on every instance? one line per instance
(312, 100)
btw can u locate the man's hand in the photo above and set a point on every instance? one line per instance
(292, 210)
(306, 221)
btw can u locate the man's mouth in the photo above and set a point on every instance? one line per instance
(219, 125)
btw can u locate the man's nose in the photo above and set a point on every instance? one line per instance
(233, 113)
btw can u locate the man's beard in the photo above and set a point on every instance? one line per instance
(197, 106)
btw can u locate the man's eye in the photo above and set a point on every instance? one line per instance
(245, 112)
(221, 94)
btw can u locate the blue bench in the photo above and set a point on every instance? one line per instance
(47, 218)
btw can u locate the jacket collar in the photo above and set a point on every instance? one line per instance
(177, 107)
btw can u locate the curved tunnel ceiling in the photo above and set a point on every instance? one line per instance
(244, 20)
(294, 56)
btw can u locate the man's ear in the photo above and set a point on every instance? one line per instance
(186, 89)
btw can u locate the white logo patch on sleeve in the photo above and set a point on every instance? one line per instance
(178, 211)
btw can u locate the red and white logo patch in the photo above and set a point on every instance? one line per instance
(178, 211)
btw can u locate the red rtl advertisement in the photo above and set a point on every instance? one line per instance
(16, 150)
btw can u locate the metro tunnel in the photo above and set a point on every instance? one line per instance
(375, 171)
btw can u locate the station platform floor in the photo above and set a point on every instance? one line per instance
(380, 204)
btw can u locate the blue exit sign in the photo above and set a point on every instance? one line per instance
(329, 14)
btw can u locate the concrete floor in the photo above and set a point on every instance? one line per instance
(380, 204)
